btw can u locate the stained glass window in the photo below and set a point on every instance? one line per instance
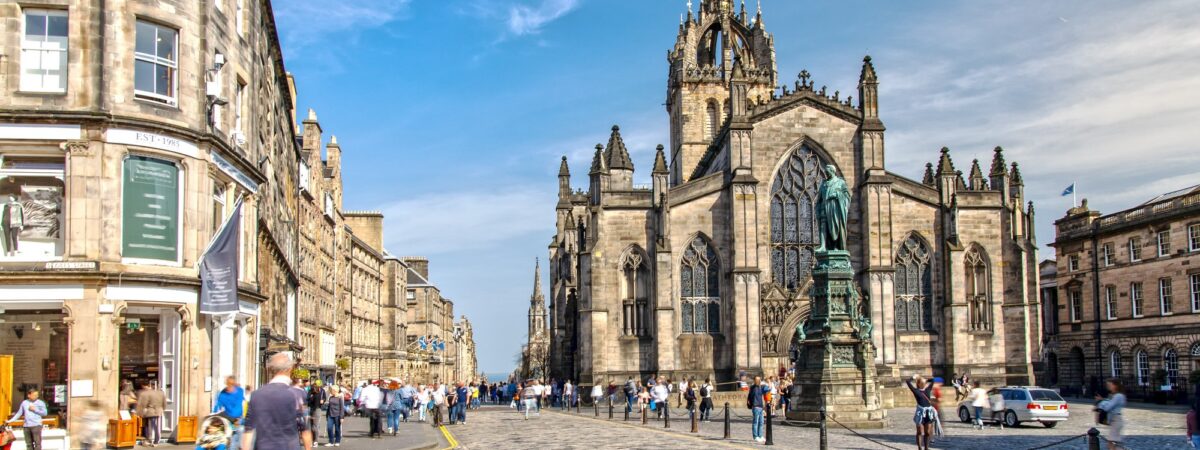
(793, 224)
(700, 291)
(914, 298)
(634, 291)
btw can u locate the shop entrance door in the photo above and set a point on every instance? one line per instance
(168, 367)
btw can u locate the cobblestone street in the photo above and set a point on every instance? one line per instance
(494, 428)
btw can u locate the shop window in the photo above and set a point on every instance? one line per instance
(37, 341)
(31, 207)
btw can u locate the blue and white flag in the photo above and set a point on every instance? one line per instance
(422, 343)
(1069, 190)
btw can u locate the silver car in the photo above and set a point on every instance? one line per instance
(1022, 404)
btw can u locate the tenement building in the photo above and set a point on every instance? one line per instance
(707, 271)
(431, 332)
(1128, 296)
(129, 132)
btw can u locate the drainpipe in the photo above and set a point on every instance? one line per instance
(1096, 299)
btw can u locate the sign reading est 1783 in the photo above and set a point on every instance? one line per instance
(151, 209)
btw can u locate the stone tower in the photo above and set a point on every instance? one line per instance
(709, 46)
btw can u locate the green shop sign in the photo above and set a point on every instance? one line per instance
(150, 205)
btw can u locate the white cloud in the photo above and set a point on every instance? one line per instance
(471, 220)
(307, 23)
(525, 19)
(1108, 98)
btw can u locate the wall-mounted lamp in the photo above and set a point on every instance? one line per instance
(218, 61)
(19, 331)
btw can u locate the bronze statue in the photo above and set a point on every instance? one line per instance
(833, 210)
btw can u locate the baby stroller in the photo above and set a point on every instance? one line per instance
(215, 432)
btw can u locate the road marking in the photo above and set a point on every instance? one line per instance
(449, 437)
(657, 430)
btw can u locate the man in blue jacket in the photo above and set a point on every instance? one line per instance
(230, 402)
(754, 401)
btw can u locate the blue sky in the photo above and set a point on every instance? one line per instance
(452, 114)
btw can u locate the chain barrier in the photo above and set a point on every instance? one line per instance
(1064, 441)
(827, 416)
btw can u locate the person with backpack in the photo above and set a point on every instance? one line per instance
(706, 404)
(756, 402)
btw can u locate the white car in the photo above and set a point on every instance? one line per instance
(1022, 404)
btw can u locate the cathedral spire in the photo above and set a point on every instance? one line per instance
(928, 179)
(660, 161)
(978, 183)
(537, 282)
(616, 153)
(563, 170)
(998, 165)
(598, 164)
(945, 165)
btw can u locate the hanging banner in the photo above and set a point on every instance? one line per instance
(150, 205)
(219, 268)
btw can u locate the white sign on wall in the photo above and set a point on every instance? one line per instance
(153, 140)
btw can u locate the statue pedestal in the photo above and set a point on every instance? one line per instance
(835, 368)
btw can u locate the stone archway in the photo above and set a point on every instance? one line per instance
(788, 331)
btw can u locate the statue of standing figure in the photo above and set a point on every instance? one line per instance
(833, 210)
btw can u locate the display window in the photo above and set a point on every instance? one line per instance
(32, 207)
(34, 356)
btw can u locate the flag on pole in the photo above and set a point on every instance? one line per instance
(1070, 190)
(219, 267)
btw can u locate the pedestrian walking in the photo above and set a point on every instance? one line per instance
(30, 412)
(231, 404)
(979, 401)
(315, 402)
(371, 398)
(150, 405)
(1193, 423)
(94, 426)
(661, 395)
(439, 404)
(1114, 406)
(568, 395)
(407, 397)
(706, 403)
(393, 406)
(275, 417)
(756, 403)
(689, 396)
(529, 397)
(335, 409)
(597, 393)
(925, 416)
(422, 402)
(996, 401)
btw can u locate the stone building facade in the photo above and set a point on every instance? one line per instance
(128, 133)
(431, 328)
(1128, 295)
(706, 272)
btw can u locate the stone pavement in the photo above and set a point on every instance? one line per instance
(1148, 427)
(411, 436)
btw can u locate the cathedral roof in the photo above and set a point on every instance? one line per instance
(616, 154)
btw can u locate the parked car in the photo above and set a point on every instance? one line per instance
(1022, 404)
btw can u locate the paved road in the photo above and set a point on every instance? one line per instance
(502, 428)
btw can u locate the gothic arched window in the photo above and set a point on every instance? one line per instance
(700, 288)
(1171, 366)
(977, 286)
(793, 237)
(1142, 364)
(914, 286)
(635, 289)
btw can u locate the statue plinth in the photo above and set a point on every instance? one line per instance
(835, 365)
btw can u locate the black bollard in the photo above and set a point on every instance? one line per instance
(626, 413)
(610, 408)
(726, 420)
(596, 407)
(643, 416)
(1093, 439)
(824, 431)
(666, 414)
(695, 423)
(577, 402)
(770, 417)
